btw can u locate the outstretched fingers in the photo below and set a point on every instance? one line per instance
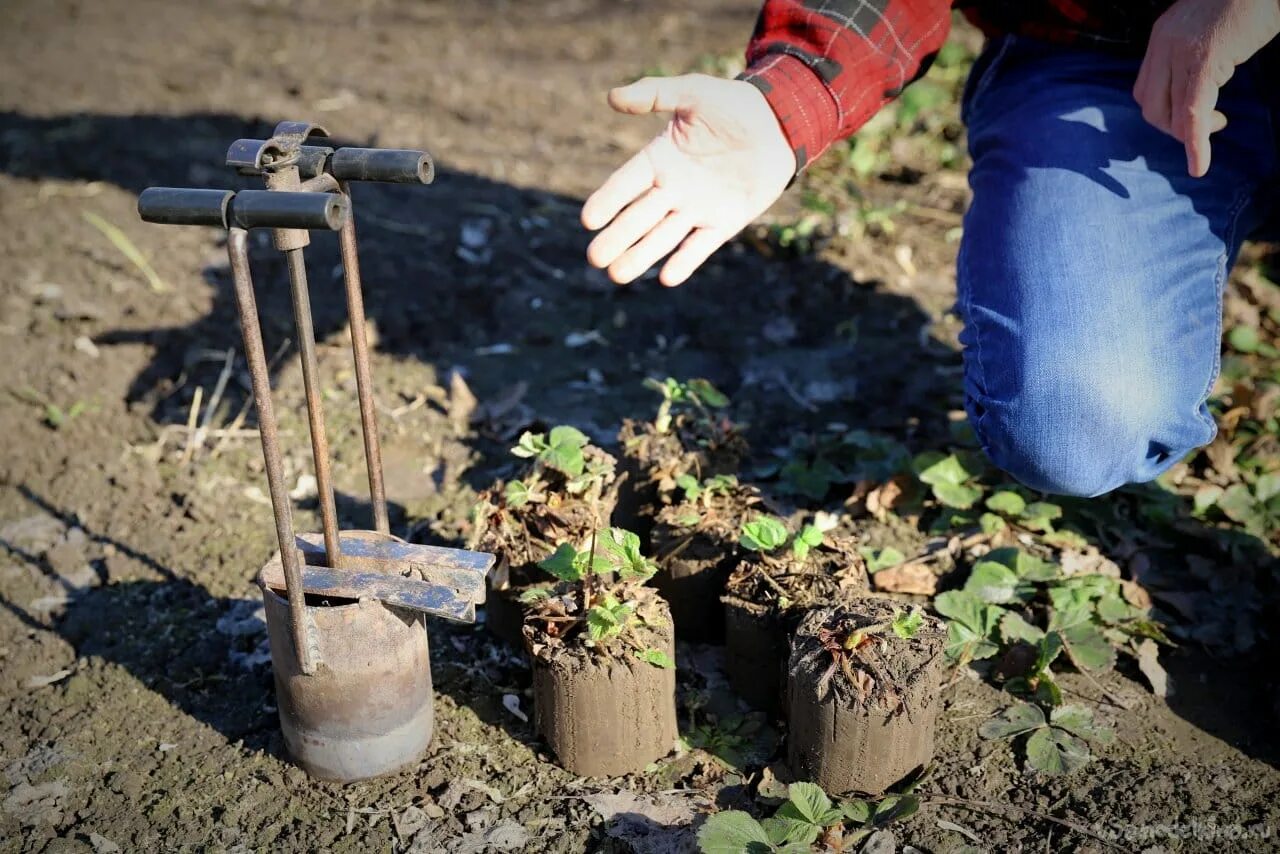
(695, 249)
(660, 240)
(629, 227)
(620, 189)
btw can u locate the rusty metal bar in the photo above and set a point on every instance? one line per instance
(364, 378)
(255, 356)
(315, 409)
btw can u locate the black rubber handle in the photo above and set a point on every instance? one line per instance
(183, 206)
(272, 209)
(245, 209)
(388, 165)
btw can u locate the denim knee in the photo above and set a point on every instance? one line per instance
(1081, 439)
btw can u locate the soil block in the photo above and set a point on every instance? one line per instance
(695, 561)
(603, 714)
(863, 738)
(521, 535)
(758, 625)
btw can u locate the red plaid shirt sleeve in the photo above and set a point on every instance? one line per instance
(827, 66)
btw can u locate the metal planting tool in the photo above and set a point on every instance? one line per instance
(308, 188)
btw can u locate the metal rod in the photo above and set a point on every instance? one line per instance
(315, 411)
(364, 380)
(259, 374)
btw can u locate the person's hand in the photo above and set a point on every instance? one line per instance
(1194, 49)
(720, 162)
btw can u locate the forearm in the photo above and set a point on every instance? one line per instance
(825, 71)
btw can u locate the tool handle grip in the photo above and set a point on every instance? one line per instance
(183, 206)
(387, 165)
(245, 209)
(276, 209)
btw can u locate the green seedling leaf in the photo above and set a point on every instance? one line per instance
(957, 496)
(517, 494)
(992, 523)
(807, 802)
(1088, 648)
(565, 450)
(809, 538)
(1014, 720)
(1267, 487)
(992, 582)
(1028, 567)
(707, 393)
(733, 832)
(1112, 609)
(564, 563)
(906, 623)
(948, 470)
(690, 485)
(1078, 721)
(788, 832)
(878, 559)
(535, 594)
(1055, 751)
(895, 808)
(622, 549)
(529, 445)
(1040, 516)
(1244, 339)
(656, 657)
(764, 534)
(856, 810)
(1014, 628)
(1007, 502)
(971, 623)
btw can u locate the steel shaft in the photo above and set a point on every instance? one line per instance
(259, 375)
(315, 409)
(364, 378)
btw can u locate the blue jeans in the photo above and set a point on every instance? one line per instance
(1091, 269)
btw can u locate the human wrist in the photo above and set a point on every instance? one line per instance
(804, 108)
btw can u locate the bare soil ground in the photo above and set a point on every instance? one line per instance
(138, 713)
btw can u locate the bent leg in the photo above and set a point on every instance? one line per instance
(1091, 268)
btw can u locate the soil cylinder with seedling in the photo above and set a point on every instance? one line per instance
(863, 687)
(603, 656)
(779, 578)
(695, 544)
(566, 489)
(688, 437)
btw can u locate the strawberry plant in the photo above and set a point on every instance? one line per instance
(1027, 611)
(778, 564)
(1058, 744)
(806, 821)
(561, 452)
(597, 602)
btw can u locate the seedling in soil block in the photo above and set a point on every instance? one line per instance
(566, 490)
(688, 439)
(862, 694)
(806, 821)
(695, 542)
(780, 577)
(1058, 745)
(603, 658)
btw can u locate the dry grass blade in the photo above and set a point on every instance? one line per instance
(127, 248)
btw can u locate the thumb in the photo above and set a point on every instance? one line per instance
(654, 94)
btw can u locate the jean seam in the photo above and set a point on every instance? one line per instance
(984, 82)
(980, 379)
(1220, 281)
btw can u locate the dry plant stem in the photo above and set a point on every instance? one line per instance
(1002, 810)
